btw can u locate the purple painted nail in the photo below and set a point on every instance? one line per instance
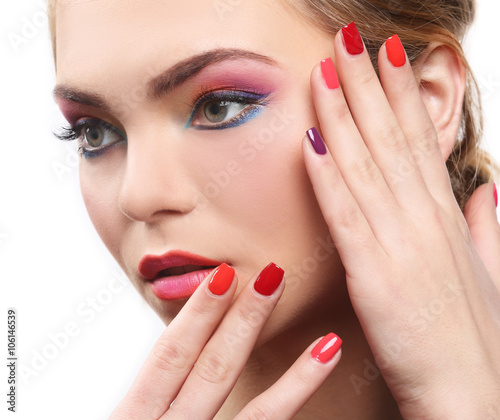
(317, 142)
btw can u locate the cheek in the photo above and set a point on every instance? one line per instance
(256, 183)
(100, 195)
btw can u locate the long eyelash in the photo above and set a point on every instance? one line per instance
(204, 91)
(66, 134)
(228, 92)
(74, 132)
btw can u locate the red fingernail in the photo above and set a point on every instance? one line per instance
(328, 347)
(221, 280)
(269, 279)
(329, 73)
(495, 194)
(352, 40)
(395, 51)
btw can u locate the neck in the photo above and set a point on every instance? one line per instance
(355, 389)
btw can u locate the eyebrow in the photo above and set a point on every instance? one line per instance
(167, 81)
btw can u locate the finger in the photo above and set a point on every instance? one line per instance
(376, 121)
(405, 99)
(355, 164)
(225, 355)
(289, 394)
(176, 351)
(481, 217)
(348, 226)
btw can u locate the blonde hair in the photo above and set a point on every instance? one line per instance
(417, 22)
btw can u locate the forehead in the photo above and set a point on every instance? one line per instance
(98, 38)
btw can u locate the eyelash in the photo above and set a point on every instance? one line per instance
(75, 132)
(255, 100)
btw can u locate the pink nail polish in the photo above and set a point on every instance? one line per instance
(329, 73)
(327, 347)
(495, 194)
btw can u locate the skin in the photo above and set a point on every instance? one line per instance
(148, 195)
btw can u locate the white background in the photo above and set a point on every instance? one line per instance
(51, 260)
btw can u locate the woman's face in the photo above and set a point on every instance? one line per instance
(212, 161)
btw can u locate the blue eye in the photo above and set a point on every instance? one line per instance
(94, 136)
(224, 109)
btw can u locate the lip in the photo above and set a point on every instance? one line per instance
(175, 285)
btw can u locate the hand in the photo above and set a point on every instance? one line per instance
(427, 305)
(481, 217)
(198, 356)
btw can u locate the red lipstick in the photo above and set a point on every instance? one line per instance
(175, 274)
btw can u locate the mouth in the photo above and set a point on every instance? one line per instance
(175, 274)
(177, 271)
(179, 282)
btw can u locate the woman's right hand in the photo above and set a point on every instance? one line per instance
(197, 360)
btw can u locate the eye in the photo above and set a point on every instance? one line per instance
(217, 111)
(94, 136)
(225, 109)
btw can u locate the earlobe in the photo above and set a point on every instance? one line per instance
(442, 78)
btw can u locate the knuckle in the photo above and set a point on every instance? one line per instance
(367, 78)
(367, 170)
(250, 314)
(257, 412)
(213, 368)
(393, 139)
(201, 312)
(170, 356)
(302, 379)
(425, 142)
(408, 87)
(346, 218)
(342, 113)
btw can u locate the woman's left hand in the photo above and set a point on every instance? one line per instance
(426, 302)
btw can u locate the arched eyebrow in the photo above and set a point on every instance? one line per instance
(167, 81)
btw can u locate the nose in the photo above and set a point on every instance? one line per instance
(155, 181)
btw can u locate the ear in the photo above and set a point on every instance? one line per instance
(442, 85)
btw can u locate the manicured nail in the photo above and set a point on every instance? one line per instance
(316, 140)
(495, 194)
(352, 40)
(395, 51)
(329, 73)
(327, 347)
(269, 279)
(221, 280)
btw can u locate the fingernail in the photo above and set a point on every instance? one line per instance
(327, 347)
(316, 140)
(395, 51)
(495, 194)
(329, 73)
(269, 279)
(352, 40)
(221, 280)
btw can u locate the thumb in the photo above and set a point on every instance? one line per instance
(480, 214)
